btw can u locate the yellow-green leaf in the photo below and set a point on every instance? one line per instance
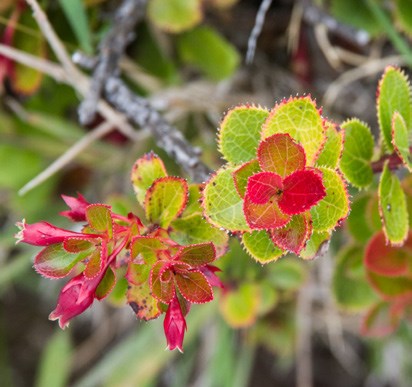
(400, 140)
(222, 204)
(300, 118)
(332, 150)
(392, 207)
(357, 153)
(260, 247)
(239, 133)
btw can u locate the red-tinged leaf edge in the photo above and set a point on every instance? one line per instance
(194, 287)
(387, 260)
(294, 235)
(290, 155)
(197, 255)
(301, 191)
(264, 216)
(163, 291)
(76, 245)
(106, 285)
(108, 228)
(94, 265)
(185, 186)
(251, 167)
(382, 329)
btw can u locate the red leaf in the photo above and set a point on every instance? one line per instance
(281, 154)
(262, 186)
(77, 212)
(294, 235)
(209, 272)
(197, 255)
(264, 216)
(161, 284)
(194, 287)
(302, 190)
(388, 260)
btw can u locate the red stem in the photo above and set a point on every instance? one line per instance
(394, 162)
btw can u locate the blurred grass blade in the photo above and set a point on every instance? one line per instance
(55, 363)
(76, 15)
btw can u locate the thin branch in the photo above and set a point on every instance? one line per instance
(52, 38)
(139, 111)
(257, 29)
(53, 70)
(68, 156)
(394, 162)
(369, 68)
(110, 51)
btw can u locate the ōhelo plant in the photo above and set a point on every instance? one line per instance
(283, 190)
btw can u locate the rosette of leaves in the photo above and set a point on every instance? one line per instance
(388, 271)
(161, 267)
(280, 189)
(359, 161)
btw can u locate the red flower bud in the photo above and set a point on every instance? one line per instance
(174, 325)
(45, 234)
(77, 212)
(75, 298)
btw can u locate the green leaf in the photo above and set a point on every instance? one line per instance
(357, 222)
(380, 320)
(106, 285)
(362, 19)
(99, 218)
(142, 302)
(56, 361)
(239, 307)
(332, 150)
(149, 248)
(138, 273)
(94, 264)
(165, 200)
(175, 15)
(316, 245)
(194, 287)
(144, 172)
(75, 13)
(55, 262)
(242, 174)
(193, 206)
(287, 274)
(393, 96)
(391, 287)
(24, 79)
(260, 247)
(357, 153)
(403, 14)
(197, 255)
(222, 205)
(334, 207)
(239, 133)
(350, 287)
(392, 207)
(400, 140)
(19, 165)
(300, 118)
(205, 49)
(195, 229)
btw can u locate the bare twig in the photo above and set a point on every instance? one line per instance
(42, 65)
(257, 29)
(313, 15)
(68, 156)
(110, 51)
(369, 68)
(139, 111)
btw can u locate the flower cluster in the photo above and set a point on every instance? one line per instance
(166, 272)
